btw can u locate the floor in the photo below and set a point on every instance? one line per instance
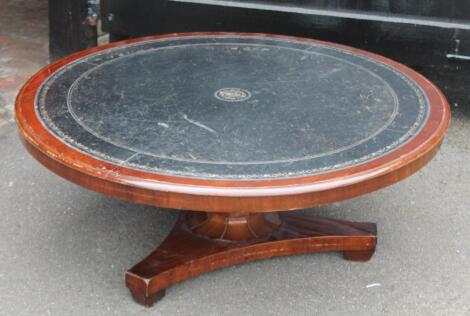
(64, 250)
(23, 47)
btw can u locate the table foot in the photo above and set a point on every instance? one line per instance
(358, 255)
(147, 299)
(202, 242)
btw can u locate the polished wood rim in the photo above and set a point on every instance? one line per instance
(229, 195)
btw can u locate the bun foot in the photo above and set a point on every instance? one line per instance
(363, 256)
(149, 300)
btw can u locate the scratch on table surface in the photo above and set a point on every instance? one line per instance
(128, 159)
(199, 124)
(330, 72)
(121, 163)
(165, 125)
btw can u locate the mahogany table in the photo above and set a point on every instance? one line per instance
(233, 129)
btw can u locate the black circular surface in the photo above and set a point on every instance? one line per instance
(232, 107)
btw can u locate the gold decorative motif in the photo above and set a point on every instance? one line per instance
(232, 94)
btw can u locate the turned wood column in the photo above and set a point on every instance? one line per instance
(233, 226)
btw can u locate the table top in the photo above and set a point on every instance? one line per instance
(231, 111)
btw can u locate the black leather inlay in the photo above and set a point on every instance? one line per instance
(231, 107)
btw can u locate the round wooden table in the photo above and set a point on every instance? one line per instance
(233, 129)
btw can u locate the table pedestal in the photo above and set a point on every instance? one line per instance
(202, 242)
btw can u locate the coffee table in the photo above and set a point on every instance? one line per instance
(238, 130)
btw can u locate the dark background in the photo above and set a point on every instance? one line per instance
(419, 33)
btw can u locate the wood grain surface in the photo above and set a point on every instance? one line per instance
(186, 253)
(197, 194)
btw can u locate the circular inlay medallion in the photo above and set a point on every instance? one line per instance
(232, 94)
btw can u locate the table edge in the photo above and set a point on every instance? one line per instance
(230, 195)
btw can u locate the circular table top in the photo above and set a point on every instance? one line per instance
(231, 113)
